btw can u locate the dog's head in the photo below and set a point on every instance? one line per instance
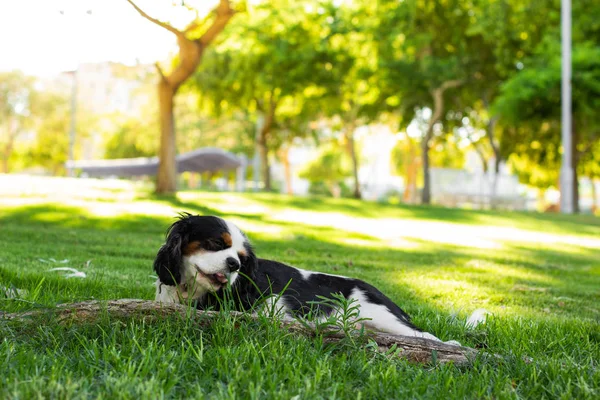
(205, 250)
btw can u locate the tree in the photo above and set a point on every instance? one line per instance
(504, 34)
(352, 95)
(444, 153)
(132, 138)
(16, 92)
(530, 102)
(50, 145)
(423, 55)
(272, 55)
(191, 50)
(330, 167)
(295, 122)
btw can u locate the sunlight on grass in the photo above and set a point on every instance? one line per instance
(537, 274)
(256, 227)
(232, 203)
(397, 243)
(112, 210)
(387, 229)
(481, 237)
(446, 292)
(57, 188)
(503, 270)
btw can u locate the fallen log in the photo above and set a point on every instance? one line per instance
(414, 349)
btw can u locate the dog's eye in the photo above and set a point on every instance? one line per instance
(213, 245)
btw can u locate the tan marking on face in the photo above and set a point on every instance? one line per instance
(191, 247)
(242, 253)
(227, 239)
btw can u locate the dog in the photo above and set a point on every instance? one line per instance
(203, 255)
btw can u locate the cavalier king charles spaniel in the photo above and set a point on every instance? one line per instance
(205, 256)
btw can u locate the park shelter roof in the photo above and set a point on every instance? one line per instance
(208, 159)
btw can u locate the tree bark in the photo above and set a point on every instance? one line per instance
(438, 110)
(167, 168)
(350, 142)
(264, 159)
(411, 167)
(190, 55)
(417, 350)
(284, 155)
(484, 161)
(263, 145)
(490, 131)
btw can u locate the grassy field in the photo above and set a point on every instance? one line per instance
(538, 274)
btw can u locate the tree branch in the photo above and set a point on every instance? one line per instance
(224, 14)
(157, 22)
(490, 130)
(451, 84)
(160, 71)
(438, 99)
(414, 349)
(193, 25)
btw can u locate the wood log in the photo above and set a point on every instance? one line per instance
(414, 349)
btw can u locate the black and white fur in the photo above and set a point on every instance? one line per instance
(204, 254)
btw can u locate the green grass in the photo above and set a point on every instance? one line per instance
(538, 274)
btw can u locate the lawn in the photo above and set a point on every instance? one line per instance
(539, 275)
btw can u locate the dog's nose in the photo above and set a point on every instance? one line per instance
(232, 264)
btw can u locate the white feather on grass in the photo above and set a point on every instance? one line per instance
(477, 317)
(73, 272)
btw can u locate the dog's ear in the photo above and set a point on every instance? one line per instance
(248, 260)
(167, 263)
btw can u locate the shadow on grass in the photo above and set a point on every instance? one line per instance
(128, 245)
(567, 224)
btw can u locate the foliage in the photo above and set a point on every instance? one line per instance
(531, 100)
(273, 64)
(445, 153)
(133, 138)
(16, 93)
(331, 166)
(486, 70)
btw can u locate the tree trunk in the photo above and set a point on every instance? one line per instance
(411, 167)
(426, 194)
(190, 55)
(414, 349)
(263, 146)
(284, 155)
(484, 161)
(541, 199)
(264, 159)
(491, 127)
(490, 130)
(167, 167)
(335, 189)
(438, 109)
(352, 152)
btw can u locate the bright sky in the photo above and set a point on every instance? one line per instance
(36, 38)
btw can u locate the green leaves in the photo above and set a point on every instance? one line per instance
(331, 166)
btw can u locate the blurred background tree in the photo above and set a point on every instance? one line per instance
(452, 80)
